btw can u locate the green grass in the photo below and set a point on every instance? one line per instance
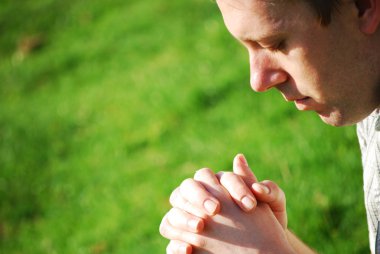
(123, 100)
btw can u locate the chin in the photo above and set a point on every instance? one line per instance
(337, 119)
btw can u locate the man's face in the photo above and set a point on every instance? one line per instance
(330, 70)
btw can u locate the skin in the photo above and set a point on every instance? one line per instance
(236, 184)
(308, 63)
(225, 235)
(191, 195)
(332, 70)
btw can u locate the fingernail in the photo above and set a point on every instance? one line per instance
(243, 160)
(248, 203)
(210, 206)
(193, 224)
(265, 188)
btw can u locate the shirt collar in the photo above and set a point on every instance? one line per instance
(376, 114)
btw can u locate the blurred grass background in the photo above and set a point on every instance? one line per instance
(105, 107)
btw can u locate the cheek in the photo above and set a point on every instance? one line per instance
(304, 73)
(322, 68)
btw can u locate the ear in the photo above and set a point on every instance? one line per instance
(369, 15)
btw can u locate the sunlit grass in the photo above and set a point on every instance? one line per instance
(121, 101)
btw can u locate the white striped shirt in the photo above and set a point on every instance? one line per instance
(369, 138)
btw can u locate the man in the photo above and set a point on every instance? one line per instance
(322, 55)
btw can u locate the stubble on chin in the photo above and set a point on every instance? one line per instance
(333, 118)
(338, 118)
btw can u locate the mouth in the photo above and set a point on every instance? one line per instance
(303, 103)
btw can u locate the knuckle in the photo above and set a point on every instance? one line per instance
(203, 171)
(163, 229)
(187, 206)
(269, 182)
(238, 191)
(186, 183)
(241, 190)
(172, 212)
(272, 185)
(180, 235)
(227, 177)
(169, 248)
(190, 191)
(219, 175)
(200, 242)
(282, 195)
(174, 217)
(190, 209)
(275, 189)
(174, 197)
(233, 182)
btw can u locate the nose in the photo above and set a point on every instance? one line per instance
(265, 72)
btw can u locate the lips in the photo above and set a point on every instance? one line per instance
(303, 103)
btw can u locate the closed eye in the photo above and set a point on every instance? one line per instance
(273, 47)
(280, 46)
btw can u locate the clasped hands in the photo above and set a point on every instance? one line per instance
(227, 212)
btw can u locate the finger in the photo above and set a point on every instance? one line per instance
(241, 168)
(176, 200)
(172, 233)
(178, 247)
(209, 180)
(195, 193)
(239, 191)
(185, 221)
(269, 192)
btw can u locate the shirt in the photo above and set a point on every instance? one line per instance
(369, 138)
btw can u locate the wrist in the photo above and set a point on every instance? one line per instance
(297, 245)
(289, 238)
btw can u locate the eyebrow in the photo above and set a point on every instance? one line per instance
(274, 33)
(263, 38)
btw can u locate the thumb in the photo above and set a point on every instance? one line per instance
(241, 168)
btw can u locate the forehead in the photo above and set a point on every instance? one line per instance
(253, 4)
(251, 18)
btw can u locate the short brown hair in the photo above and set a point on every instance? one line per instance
(324, 9)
